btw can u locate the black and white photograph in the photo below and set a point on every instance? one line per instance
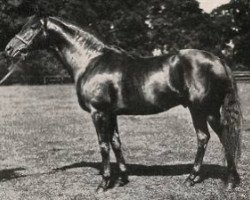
(124, 100)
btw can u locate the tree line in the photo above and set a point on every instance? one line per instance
(141, 27)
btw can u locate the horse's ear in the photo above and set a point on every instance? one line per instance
(44, 22)
(38, 11)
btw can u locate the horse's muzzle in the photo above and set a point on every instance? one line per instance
(9, 50)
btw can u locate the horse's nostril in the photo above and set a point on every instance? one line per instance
(8, 50)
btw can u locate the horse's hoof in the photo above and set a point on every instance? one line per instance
(192, 179)
(104, 185)
(233, 181)
(230, 186)
(123, 181)
(100, 189)
(188, 183)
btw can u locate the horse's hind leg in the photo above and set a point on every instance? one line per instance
(200, 125)
(215, 123)
(116, 146)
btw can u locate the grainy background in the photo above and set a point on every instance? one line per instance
(49, 150)
(48, 145)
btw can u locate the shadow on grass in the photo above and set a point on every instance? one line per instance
(208, 170)
(8, 174)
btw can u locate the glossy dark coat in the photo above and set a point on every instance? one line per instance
(130, 85)
(110, 82)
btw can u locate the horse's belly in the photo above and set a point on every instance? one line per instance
(141, 105)
(152, 95)
(159, 93)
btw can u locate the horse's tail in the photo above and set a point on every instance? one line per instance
(231, 119)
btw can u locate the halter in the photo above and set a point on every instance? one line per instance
(27, 43)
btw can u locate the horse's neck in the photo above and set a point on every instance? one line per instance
(73, 50)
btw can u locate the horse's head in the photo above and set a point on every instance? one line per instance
(33, 36)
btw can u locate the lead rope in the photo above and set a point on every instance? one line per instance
(12, 70)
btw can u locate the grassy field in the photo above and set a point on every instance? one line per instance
(49, 150)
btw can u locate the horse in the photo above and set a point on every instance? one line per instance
(111, 82)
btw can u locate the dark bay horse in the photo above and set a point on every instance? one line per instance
(110, 82)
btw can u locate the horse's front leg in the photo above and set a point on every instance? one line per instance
(116, 146)
(103, 125)
(200, 125)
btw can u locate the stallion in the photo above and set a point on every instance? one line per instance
(111, 82)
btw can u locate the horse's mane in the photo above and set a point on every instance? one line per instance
(89, 40)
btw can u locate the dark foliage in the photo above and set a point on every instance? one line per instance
(138, 26)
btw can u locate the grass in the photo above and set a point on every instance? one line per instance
(49, 151)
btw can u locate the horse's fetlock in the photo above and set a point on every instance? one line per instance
(106, 175)
(122, 168)
(196, 169)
